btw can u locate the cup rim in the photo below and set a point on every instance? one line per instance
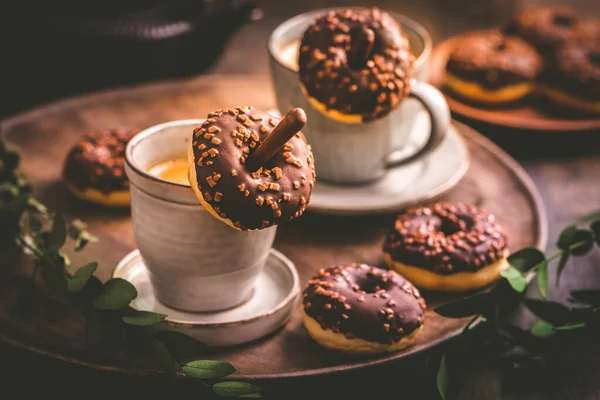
(145, 133)
(404, 20)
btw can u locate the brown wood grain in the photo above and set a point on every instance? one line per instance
(534, 113)
(494, 181)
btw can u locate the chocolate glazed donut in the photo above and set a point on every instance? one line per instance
(573, 79)
(357, 308)
(489, 67)
(447, 247)
(548, 27)
(94, 168)
(355, 65)
(229, 183)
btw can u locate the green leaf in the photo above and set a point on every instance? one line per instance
(143, 318)
(465, 307)
(83, 240)
(525, 259)
(117, 294)
(562, 263)
(542, 329)
(552, 312)
(590, 217)
(442, 379)
(588, 296)
(596, 229)
(542, 279)
(37, 206)
(75, 228)
(81, 277)
(515, 279)
(161, 356)
(566, 237)
(208, 369)
(570, 326)
(181, 345)
(235, 389)
(58, 234)
(584, 241)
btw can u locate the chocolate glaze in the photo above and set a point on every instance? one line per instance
(494, 60)
(547, 27)
(331, 74)
(364, 302)
(97, 161)
(251, 200)
(576, 69)
(446, 238)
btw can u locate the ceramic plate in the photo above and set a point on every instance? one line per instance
(275, 295)
(420, 181)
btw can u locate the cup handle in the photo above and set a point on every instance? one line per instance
(439, 115)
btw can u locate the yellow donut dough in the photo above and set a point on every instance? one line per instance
(339, 342)
(458, 282)
(572, 101)
(117, 199)
(475, 92)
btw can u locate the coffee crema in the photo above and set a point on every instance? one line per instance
(171, 170)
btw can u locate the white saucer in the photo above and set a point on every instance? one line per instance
(276, 293)
(403, 186)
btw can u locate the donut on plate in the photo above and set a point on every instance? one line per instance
(573, 78)
(492, 68)
(447, 247)
(547, 27)
(230, 188)
(355, 64)
(94, 169)
(356, 308)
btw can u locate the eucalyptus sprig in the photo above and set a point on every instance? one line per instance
(490, 311)
(111, 323)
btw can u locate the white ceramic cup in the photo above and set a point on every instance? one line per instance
(357, 153)
(196, 262)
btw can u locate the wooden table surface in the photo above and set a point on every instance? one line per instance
(566, 169)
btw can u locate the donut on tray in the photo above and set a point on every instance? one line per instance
(447, 247)
(94, 169)
(491, 68)
(360, 309)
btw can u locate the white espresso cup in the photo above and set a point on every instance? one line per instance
(196, 262)
(357, 153)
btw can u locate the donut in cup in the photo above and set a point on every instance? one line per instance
(360, 309)
(94, 168)
(573, 78)
(492, 68)
(355, 65)
(547, 27)
(447, 247)
(250, 169)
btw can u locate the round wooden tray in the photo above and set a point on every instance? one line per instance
(533, 114)
(494, 181)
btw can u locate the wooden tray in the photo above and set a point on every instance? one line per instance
(533, 114)
(494, 181)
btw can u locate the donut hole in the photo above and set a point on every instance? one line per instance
(449, 227)
(564, 20)
(371, 284)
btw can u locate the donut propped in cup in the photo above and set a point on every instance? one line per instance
(355, 65)
(360, 309)
(250, 169)
(447, 247)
